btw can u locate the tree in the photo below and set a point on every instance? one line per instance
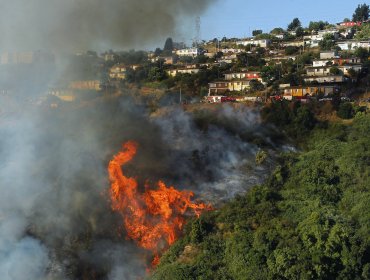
(256, 85)
(256, 32)
(334, 70)
(317, 25)
(361, 13)
(345, 110)
(277, 31)
(294, 24)
(364, 32)
(299, 32)
(327, 43)
(362, 53)
(168, 45)
(290, 50)
(157, 52)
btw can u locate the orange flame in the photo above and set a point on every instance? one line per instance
(153, 219)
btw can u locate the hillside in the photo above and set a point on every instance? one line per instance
(310, 220)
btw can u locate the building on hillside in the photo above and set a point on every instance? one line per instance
(350, 23)
(193, 52)
(299, 92)
(184, 70)
(67, 95)
(263, 43)
(346, 67)
(118, 72)
(318, 71)
(350, 45)
(281, 58)
(335, 60)
(243, 75)
(333, 31)
(297, 43)
(325, 79)
(85, 85)
(228, 58)
(328, 54)
(231, 51)
(221, 87)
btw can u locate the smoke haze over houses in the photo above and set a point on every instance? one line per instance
(86, 24)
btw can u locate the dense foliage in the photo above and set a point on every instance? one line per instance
(310, 220)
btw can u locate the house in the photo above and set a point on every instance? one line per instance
(174, 72)
(17, 58)
(168, 60)
(243, 75)
(318, 71)
(229, 58)
(328, 54)
(325, 79)
(189, 52)
(220, 87)
(335, 60)
(230, 51)
(349, 45)
(299, 43)
(300, 92)
(85, 85)
(66, 95)
(333, 31)
(350, 23)
(281, 58)
(118, 72)
(346, 67)
(263, 43)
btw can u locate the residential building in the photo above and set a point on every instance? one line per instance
(118, 72)
(349, 45)
(220, 87)
(335, 60)
(318, 71)
(243, 75)
(325, 79)
(174, 72)
(189, 52)
(328, 54)
(85, 85)
(263, 43)
(308, 91)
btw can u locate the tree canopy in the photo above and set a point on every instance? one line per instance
(361, 13)
(294, 24)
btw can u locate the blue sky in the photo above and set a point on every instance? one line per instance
(237, 18)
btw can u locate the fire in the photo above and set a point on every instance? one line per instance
(155, 217)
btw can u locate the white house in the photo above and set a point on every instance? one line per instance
(189, 52)
(264, 43)
(174, 72)
(353, 44)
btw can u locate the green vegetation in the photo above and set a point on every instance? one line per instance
(364, 32)
(361, 13)
(294, 24)
(310, 220)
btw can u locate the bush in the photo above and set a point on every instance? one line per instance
(345, 111)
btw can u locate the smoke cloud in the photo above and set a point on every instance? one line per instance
(85, 24)
(54, 211)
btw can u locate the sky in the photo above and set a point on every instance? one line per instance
(238, 18)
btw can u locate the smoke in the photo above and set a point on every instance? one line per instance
(54, 211)
(215, 162)
(55, 217)
(83, 24)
